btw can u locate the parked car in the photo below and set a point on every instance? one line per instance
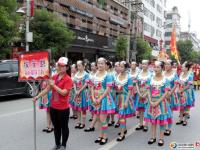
(9, 84)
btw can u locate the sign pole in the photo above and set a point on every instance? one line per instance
(34, 119)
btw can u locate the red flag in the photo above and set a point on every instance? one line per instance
(32, 8)
(173, 47)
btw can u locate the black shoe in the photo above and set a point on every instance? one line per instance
(125, 132)
(140, 127)
(77, 126)
(145, 128)
(167, 132)
(151, 141)
(89, 129)
(103, 141)
(161, 142)
(82, 126)
(184, 123)
(138, 117)
(117, 125)
(111, 123)
(121, 138)
(45, 129)
(98, 140)
(50, 130)
(179, 122)
(72, 117)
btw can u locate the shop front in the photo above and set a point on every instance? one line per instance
(89, 46)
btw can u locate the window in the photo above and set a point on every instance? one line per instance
(159, 22)
(169, 25)
(167, 33)
(159, 9)
(15, 67)
(167, 43)
(169, 16)
(5, 68)
(158, 33)
(152, 2)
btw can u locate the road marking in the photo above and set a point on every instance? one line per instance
(113, 143)
(15, 113)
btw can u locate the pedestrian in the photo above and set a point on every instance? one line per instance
(44, 104)
(110, 71)
(124, 86)
(60, 84)
(186, 94)
(144, 78)
(158, 110)
(72, 95)
(172, 97)
(102, 100)
(80, 103)
(94, 118)
(134, 71)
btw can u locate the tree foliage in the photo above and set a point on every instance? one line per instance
(186, 51)
(8, 23)
(50, 32)
(121, 46)
(143, 50)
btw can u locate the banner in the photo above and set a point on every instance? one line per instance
(34, 66)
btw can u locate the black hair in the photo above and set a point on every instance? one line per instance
(126, 65)
(108, 63)
(82, 62)
(68, 71)
(188, 65)
(162, 64)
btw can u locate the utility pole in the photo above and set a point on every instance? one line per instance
(131, 54)
(129, 31)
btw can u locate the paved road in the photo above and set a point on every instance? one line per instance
(16, 125)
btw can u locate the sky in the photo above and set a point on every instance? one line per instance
(186, 7)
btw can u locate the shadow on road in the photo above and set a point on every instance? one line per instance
(11, 98)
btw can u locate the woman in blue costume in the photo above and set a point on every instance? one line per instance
(173, 79)
(89, 82)
(110, 71)
(80, 103)
(185, 93)
(102, 100)
(72, 92)
(134, 74)
(124, 86)
(158, 111)
(144, 78)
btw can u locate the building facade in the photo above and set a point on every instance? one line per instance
(192, 37)
(150, 20)
(96, 24)
(172, 20)
(154, 17)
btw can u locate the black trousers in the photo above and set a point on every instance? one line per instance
(60, 119)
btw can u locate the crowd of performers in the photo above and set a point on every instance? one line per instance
(115, 93)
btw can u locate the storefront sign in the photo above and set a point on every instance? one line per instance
(34, 66)
(86, 39)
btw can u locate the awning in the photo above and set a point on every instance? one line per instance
(151, 40)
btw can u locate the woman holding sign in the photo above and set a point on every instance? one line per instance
(60, 84)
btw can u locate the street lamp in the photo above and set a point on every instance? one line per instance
(28, 35)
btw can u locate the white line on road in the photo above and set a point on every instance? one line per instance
(113, 143)
(15, 113)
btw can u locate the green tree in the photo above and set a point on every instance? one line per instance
(121, 46)
(143, 50)
(8, 23)
(185, 49)
(50, 32)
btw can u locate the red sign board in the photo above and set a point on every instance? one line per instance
(34, 66)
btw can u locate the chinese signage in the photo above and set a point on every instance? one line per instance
(34, 66)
